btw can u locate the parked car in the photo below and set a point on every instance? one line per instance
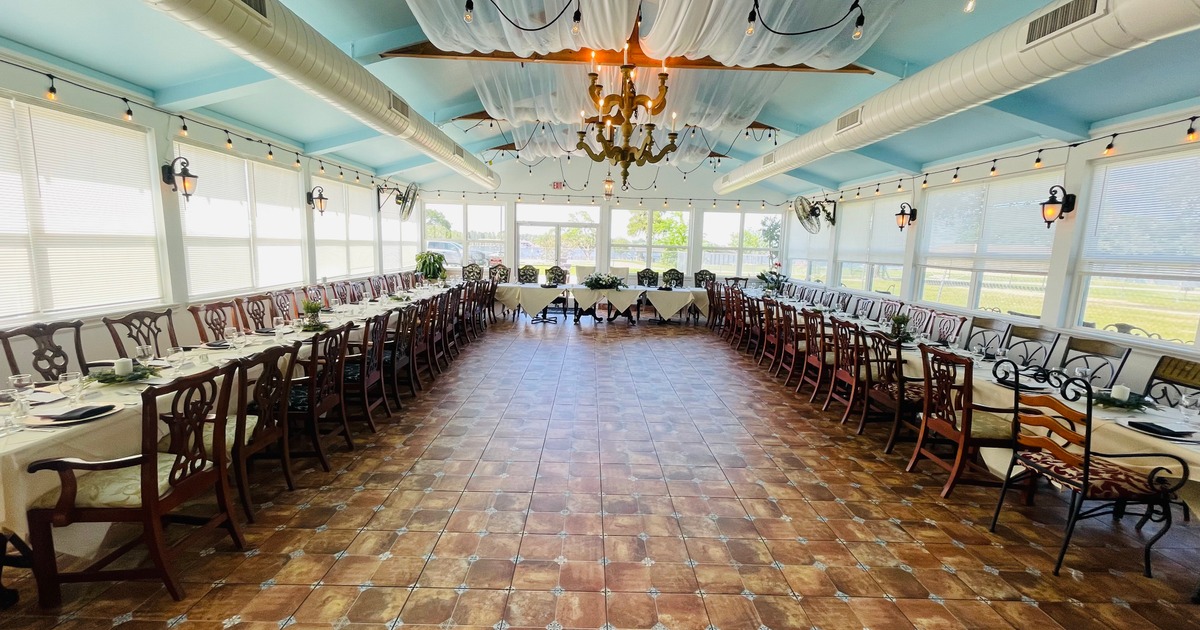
(454, 253)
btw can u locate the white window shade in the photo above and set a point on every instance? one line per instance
(806, 245)
(279, 215)
(867, 231)
(391, 237)
(1141, 221)
(216, 224)
(989, 226)
(345, 233)
(363, 207)
(78, 223)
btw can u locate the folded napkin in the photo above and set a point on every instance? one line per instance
(265, 331)
(81, 413)
(1158, 429)
(219, 345)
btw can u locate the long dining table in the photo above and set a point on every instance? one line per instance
(534, 297)
(119, 434)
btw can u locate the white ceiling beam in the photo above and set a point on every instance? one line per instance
(247, 79)
(340, 141)
(367, 50)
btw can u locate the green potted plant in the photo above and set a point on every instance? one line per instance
(431, 264)
(312, 316)
(900, 330)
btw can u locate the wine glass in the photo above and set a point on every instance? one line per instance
(297, 325)
(978, 351)
(1084, 373)
(12, 412)
(1189, 407)
(175, 358)
(237, 339)
(70, 384)
(278, 322)
(143, 354)
(23, 384)
(229, 332)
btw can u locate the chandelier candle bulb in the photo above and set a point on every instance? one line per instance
(625, 62)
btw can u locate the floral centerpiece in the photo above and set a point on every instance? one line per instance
(900, 330)
(312, 316)
(602, 281)
(771, 278)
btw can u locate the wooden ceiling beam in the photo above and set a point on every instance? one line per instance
(426, 50)
(512, 147)
(483, 115)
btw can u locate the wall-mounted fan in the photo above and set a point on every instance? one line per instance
(809, 213)
(406, 201)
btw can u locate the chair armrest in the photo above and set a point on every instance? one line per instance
(66, 467)
(1152, 477)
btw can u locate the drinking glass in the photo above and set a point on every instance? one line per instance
(237, 339)
(1084, 373)
(298, 325)
(278, 322)
(175, 358)
(1189, 407)
(335, 304)
(978, 351)
(143, 354)
(70, 384)
(12, 411)
(230, 332)
(23, 383)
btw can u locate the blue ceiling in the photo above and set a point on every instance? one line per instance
(128, 42)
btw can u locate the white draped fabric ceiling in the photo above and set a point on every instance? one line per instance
(606, 25)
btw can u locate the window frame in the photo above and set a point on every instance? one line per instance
(648, 247)
(740, 249)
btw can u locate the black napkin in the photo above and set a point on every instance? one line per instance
(82, 413)
(265, 331)
(327, 309)
(219, 345)
(1158, 429)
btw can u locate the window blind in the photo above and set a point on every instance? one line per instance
(867, 231)
(279, 215)
(804, 244)
(988, 226)
(363, 207)
(391, 237)
(216, 224)
(345, 234)
(1141, 220)
(78, 222)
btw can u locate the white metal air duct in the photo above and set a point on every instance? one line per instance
(269, 35)
(1048, 43)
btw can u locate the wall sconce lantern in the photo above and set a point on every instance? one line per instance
(906, 217)
(1053, 209)
(608, 188)
(317, 199)
(183, 177)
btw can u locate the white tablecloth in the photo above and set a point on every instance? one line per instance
(531, 297)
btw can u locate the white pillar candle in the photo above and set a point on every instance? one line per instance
(123, 367)
(1120, 392)
(626, 62)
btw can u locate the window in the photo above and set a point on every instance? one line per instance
(244, 227)
(465, 233)
(740, 244)
(656, 239)
(983, 245)
(1140, 258)
(78, 223)
(870, 247)
(809, 253)
(401, 240)
(345, 233)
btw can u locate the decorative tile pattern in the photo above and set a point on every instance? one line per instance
(566, 477)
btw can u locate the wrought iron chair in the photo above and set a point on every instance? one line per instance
(528, 274)
(988, 332)
(951, 418)
(672, 278)
(499, 273)
(703, 277)
(1102, 359)
(1172, 378)
(557, 275)
(1031, 345)
(1058, 446)
(146, 488)
(49, 358)
(647, 277)
(143, 328)
(472, 272)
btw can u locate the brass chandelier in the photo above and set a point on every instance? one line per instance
(618, 111)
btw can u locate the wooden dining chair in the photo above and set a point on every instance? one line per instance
(890, 394)
(356, 291)
(49, 357)
(945, 327)
(734, 281)
(1031, 345)
(143, 328)
(286, 305)
(317, 293)
(318, 392)
(1053, 440)
(399, 361)
(363, 379)
(378, 287)
(818, 356)
(1103, 359)
(213, 318)
(919, 319)
(264, 383)
(341, 291)
(1172, 378)
(153, 488)
(988, 332)
(950, 418)
(864, 307)
(846, 379)
(887, 310)
(257, 312)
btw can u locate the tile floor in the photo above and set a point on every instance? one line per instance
(606, 476)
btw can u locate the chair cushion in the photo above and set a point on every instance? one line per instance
(1107, 480)
(913, 392)
(298, 397)
(353, 372)
(990, 426)
(111, 488)
(230, 434)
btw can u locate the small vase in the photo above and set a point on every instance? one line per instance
(313, 320)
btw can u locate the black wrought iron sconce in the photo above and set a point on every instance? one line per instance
(906, 217)
(181, 178)
(1053, 209)
(317, 199)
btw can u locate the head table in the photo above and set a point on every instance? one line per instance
(534, 297)
(119, 435)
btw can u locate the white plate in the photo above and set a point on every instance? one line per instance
(35, 421)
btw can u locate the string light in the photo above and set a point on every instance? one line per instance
(714, 203)
(342, 175)
(467, 17)
(357, 178)
(297, 163)
(1038, 162)
(183, 128)
(876, 190)
(128, 110)
(993, 172)
(322, 171)
(752, 19)
(739, 204)
(575, 19)
(925, 182)
(228, 141)
(954, 180)
(899, 186)
(1191, 132)
(1111, 146)
(858, 25)
(858, 193)
(52, 92)
(689, 203)
(664, 203)
(270, 152)
(841, 196)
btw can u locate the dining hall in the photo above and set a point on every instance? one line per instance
(599, 314)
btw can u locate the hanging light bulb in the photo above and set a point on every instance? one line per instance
(270, 152)
(858, 193)
(750, 21)
(841, 196)
(925, 182)
(51, 92)
(689, 203)
(876, 190)
(954, 180)
(858, 25)
(357, 178)
(1038, 162)
(183, 127)
(1191, 132)
(128, 110)
(714, 203)
(993, 172)
(664, 203)
(297, 162)
(969, 7)
(228, 141)
(1111, 147)
(575, 19)
(899, 186)
(639, 203)
(467, 17)
(342, 175)
(322, 166)
(739, 204)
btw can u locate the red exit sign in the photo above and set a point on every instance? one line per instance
(558, 185)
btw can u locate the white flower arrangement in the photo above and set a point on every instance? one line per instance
(601, 281)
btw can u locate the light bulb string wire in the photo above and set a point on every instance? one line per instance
(758, 12)
(695, 200)
(129, 102)
(543, 27)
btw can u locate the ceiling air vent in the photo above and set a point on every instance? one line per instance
(1067, 15)
(398, 105)
(458, 151)
(769, 159)
(849, 120)
(258, 6)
